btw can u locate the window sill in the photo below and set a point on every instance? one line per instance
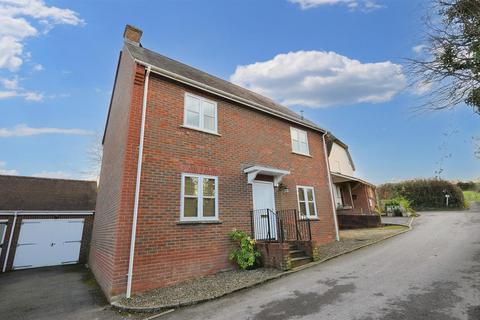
(199, 222)
(302, 154)
(200, 130)
(311, 218)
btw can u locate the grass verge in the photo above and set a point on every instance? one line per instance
(471, 196)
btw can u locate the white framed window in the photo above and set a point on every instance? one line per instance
(306, 202)
(200, 113)
(299, 141)
(199, 197)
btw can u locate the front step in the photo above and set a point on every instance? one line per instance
(297, 253)
(300, 261)
(298, 257)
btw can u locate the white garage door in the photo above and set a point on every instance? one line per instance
(48, 243)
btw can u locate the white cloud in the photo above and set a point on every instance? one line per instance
(362, 5)
(13, 89)
(33, 96)
(53, 174)
(422, 88)
(10, 51)
(321, 79)
(3, 170)
(38, 67)
(419, 48)
(20, 19)
(22, 130)
(7, 94)
(10, 84)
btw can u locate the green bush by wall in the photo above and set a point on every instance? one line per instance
(424, 194)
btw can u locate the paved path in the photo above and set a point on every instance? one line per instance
(432, 272)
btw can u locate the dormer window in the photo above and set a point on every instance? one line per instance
(299, 141)
(200, 113)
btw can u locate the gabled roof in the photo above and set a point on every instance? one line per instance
(331, 139)
(43, 194)
(179, 71)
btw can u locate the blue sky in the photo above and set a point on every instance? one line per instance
(57, 68)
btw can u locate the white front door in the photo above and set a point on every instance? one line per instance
(48, 243)
(263, 199)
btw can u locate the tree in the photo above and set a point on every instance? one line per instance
(94, 158)
(451, 67)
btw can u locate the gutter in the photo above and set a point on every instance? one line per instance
(46, 213)
(224, 94)
(137, 185)
(330, 183)
(10, 241)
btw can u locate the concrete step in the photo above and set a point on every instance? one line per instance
(292, 246)
(297, 253)
(300, 261)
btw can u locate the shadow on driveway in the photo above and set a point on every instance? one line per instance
(65, 292)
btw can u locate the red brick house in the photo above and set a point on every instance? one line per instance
(188, 157)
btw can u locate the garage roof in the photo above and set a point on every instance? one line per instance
(43, 194)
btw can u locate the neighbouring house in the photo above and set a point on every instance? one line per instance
(189, 157)
(352, 195)
(44, 222)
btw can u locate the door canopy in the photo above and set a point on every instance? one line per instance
(277, 174)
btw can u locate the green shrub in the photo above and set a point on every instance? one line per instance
(399, 201)
(424, 194)
(245, 256)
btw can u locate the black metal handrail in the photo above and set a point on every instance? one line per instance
(282, 225)
(264, 225)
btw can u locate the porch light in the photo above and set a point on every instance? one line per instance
(283, 188)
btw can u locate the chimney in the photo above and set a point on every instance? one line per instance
(132, 34)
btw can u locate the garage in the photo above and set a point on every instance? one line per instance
(44, 243)
(44, 222)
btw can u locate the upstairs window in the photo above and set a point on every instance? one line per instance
(200, 113)
(299, 141)
(199, 197)
(306, 202)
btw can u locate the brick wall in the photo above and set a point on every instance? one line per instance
(362, 195)
(274, 255)
(168, 251)
(114, 190)
(356, 221)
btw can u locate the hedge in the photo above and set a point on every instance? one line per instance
(424, 194)
(469, 186)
